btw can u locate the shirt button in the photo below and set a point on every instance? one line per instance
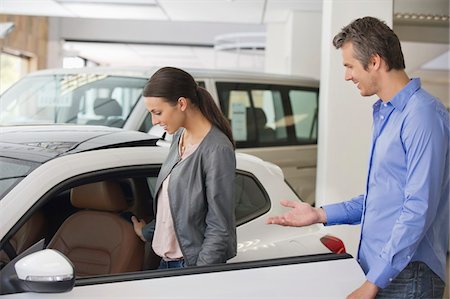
(381, 116)
(390, 279)
(409, 257)
(385, 104)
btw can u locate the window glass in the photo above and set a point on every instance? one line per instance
(238, 106)
(62, 214)
(268, 115)
(250, 199)
(257, 113)
(304, 108)
(76, 98)
(12, 172)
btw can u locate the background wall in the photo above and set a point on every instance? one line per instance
(29, 38)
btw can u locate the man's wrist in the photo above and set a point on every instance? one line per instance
(322, 215)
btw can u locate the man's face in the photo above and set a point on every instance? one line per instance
(354, 71)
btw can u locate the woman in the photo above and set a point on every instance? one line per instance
(195, 222)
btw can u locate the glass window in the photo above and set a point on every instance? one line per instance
(304, 109)
(73, 98)
(12, 172)
(269, 115)
(257, 113)
(238, 106)
(251, 199)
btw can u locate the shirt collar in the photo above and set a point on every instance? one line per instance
(400, 99)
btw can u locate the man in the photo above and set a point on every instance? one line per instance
(404, 213)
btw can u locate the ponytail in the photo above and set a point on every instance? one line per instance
(210, 110)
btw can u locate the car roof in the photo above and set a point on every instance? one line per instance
(41, 143)
(198, 73)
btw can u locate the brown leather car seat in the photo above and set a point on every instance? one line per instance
(96, 239)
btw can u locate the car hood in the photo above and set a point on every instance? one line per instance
(45, 142)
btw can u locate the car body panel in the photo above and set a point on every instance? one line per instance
(321, 279)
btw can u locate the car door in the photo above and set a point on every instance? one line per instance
(135, 170)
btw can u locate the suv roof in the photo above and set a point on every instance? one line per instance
(198, 73)
(45, 142)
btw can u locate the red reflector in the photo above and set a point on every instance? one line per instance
(334, 244)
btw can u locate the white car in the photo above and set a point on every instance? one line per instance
(66, 196)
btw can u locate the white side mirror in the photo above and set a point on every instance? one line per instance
(43, 271)
(44, 265)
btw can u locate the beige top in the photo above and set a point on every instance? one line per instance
(165, 242)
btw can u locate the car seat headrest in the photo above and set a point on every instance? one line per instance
(103, 196)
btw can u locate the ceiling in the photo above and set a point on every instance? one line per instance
(234, 11)
(414, 21)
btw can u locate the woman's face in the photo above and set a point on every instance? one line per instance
(170, 117)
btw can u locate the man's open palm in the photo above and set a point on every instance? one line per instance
(301, 214)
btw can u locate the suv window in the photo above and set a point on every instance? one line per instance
(71, 98)
(269, 114)
(304, 110)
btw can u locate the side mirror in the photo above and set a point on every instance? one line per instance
(45, 271)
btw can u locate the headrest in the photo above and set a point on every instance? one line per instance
(107, 107)
(259, 115)
(102, 196)
(261, 118)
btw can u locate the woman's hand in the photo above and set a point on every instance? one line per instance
(138, 225)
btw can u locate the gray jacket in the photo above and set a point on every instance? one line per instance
(201, 199)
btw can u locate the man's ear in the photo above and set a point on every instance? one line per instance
(375, 62)
(182, 103)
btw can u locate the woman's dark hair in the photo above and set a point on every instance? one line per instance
(172, 83)
(371, 36)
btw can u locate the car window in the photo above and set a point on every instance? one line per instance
(67, 218)
(250, 198)
(264, 115)
(12, 172)
(304, 110)
(71, 98)
(136, 188)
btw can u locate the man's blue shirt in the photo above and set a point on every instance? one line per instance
(404, 213)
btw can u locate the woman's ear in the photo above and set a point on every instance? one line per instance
(182, 103)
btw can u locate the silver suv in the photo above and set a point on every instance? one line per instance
(273, 117)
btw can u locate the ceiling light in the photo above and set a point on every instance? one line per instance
(424, 17)
(111, 2)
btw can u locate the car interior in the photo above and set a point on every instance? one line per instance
(90, 222)
(110, 111)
